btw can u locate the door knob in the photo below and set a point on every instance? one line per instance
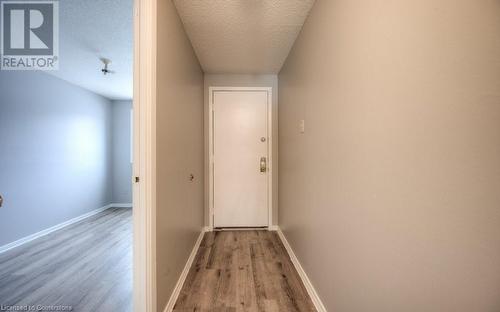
(1, 200)
(263, 164)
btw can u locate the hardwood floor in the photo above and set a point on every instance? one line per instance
(87, 266)
(243, 271)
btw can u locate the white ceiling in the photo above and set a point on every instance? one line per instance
(229, 36)
(243, 36)
(91, 29)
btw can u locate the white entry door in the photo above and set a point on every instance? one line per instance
(241, 158)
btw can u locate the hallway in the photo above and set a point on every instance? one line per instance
(243, 271)
(375, 155)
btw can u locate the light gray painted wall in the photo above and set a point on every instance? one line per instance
(390, 199)
(122, 167)
(179, 150)
(55, 152)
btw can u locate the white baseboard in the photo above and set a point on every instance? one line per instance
(121, 205)
(273, 228)
(307, 283)
(185, 271)
(207, 229)
(59, 226)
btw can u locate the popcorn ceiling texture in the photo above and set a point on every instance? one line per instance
(243, 36)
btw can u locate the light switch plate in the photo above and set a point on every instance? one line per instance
(302, 126)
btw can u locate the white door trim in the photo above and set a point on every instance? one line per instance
(144, 156)
(211, 91)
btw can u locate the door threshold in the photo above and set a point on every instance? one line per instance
(240, 228)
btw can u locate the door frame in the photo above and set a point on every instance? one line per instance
(144, 157)
(211, 91)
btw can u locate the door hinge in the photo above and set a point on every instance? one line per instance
(136, 179)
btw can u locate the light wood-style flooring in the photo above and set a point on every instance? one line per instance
(87, 265)
(243, 271)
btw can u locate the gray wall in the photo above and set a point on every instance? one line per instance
(232, 80)
(122, 167)
(179, 145)
(391, 197)
(65, 152)
(55, 155)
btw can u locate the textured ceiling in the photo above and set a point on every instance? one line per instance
(92, 29)
(243, 36)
